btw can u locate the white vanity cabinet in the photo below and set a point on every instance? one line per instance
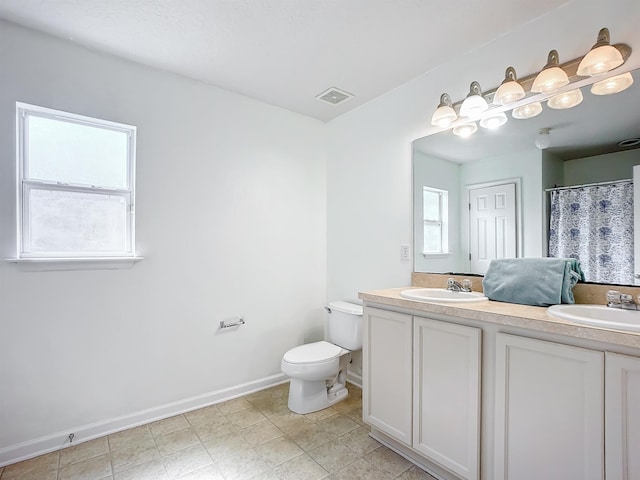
(387, 372)
(446, 395)
(421, 380)
(549, 405)
(622, 417)
(475, 399)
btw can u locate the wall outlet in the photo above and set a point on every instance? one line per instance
(405, 252)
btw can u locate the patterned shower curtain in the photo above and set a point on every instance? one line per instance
(595, 225)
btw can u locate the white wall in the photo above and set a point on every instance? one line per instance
(601, 168)
(369, 163)
(231, 220)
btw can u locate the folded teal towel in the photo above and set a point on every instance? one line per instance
(532, 281)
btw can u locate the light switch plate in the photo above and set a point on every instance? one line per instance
(405, 252)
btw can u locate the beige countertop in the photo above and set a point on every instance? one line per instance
(510, 314)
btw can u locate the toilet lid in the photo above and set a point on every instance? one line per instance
(313, 352)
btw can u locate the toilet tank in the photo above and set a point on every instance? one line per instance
(345, 325)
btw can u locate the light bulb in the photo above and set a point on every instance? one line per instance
(474, 104)
(613, 84)
(552, 77)
(529, 110)
(465, 130)
(510, 90)
(565, 100)
(601, 58)
(494, 121)
(444, 115)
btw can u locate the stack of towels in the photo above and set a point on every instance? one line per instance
(532, 281)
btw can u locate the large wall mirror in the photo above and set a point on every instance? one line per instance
(590, 143)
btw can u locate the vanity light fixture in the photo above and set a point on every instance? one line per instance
(474, 103)
(524, 96)
(494, 121)
(510, 90)
(444, 115)
(543, 140)
(565, 100)
(613, 84)
(552, 77)
(465, 130)
(601, 58)
(527, 111)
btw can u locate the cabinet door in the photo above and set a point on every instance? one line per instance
(386, 372)
(549, 410)
(622, 417)
(446, 396)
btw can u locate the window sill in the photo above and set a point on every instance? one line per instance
(436, 255)
(79, 263)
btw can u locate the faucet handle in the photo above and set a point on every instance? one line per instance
(613, 298)
(613, 295)
(466, 284)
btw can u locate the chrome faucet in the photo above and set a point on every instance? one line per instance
(627, 302)
(613, 299)
(455, 286)
(623, 301)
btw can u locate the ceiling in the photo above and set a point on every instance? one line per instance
(283, 52)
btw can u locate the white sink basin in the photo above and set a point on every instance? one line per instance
(598, 315)
(441, 295)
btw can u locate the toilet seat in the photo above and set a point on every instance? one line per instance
(310, 353)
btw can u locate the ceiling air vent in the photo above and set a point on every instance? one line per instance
(334, 96)
(630, 142)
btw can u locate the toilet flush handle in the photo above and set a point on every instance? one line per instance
(327, 309)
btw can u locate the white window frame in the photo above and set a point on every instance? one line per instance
(442, 222)
(26, 185)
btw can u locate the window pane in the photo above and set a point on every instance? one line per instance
(432, 238)
(431, 205)
(77, 222)
(67, 152)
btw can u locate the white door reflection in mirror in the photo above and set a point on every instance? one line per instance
(492, 224)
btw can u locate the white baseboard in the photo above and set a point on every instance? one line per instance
(432, 469)
(56, 441)
(354, 378)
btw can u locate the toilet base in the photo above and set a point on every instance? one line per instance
(306, 397)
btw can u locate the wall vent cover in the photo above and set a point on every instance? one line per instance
(334, 96)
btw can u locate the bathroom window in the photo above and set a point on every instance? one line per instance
(435, 214)
(75, 186)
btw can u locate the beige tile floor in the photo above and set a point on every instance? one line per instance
(251, 437)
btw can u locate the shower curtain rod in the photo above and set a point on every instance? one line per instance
(555, 189)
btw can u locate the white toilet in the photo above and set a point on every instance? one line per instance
(318, 370)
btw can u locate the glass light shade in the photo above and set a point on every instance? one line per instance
(465, 130)
(613, 84)
(543, 140)
(473, 105)
(494, 121)
(508, 92)
(549, 80)
(600, 60)
(527, 111)
(443, 116)
(565, 100)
